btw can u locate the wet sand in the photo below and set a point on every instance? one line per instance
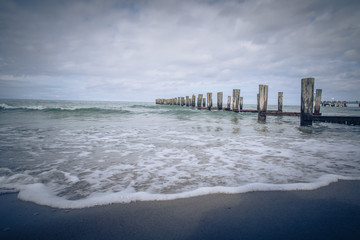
(331, 212)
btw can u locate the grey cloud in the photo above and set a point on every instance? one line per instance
(119, 48)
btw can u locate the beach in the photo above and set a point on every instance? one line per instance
(330, 212)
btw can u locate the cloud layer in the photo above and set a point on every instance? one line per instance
(142, 50)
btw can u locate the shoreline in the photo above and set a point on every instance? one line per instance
(330, 212)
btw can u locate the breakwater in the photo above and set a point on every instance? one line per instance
(309, 110)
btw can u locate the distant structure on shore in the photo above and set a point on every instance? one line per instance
(338, 103)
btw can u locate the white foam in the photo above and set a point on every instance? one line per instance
(156, 156)
(40, 194)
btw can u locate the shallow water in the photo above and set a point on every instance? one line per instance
(77, 154)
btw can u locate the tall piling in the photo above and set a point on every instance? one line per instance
(187, 101)
(200, 96)
(204, 102)
(209, 100)
(307, 99)
(280, 101)
(317, 101)
(263, 97)
(228, 103)
(193, 100)
(236, 95)
(179, 101)
(219, 100)
(182, 101)
(241, 103)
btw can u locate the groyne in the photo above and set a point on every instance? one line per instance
(309, 109)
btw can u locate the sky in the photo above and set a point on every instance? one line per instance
(143, 50)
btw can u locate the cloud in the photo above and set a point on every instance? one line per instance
(128, 50)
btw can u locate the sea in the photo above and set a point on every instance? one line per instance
(77, 154)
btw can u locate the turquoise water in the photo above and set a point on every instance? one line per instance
(73, 154)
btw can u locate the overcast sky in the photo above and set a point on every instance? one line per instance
(142, 50)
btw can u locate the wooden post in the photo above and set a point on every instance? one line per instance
(307, 99)
(280, 101)
(193, 101)
(236, 95)
(219, 100)
(209, 100)
(182, 101)
(229, 103)
(241, 103)
(187, 101)
(200, 96)
(263, 97)
(317, 101)
(204, 102)
(257, 105)
(179, 101)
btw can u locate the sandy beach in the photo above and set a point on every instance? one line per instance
(331, 212)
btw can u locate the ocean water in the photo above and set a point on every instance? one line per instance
(72, 154)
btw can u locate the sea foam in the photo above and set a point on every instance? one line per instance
(74, 159)
(40, 194)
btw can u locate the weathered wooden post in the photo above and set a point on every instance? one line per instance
(241, 103)
(280, 101)
(228, 103)
(193, 101)
(263, 97)
(179, 101)
(182, 101)
(317, 101)
(200, 96)
(187, 101)
(219, 100)
(204, 102)
(236, 95)
(209, 101)
(257, 105)
(307, 99)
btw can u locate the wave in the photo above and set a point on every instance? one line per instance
(40, 194)
(4, 107)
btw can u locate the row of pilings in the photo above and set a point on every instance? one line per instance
(309, 111)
